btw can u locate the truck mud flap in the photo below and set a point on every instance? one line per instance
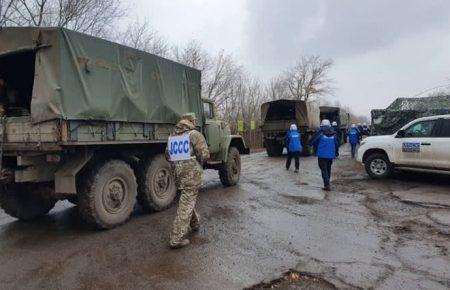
(65, 181)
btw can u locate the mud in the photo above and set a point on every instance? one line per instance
(381, 234)
(294, 280)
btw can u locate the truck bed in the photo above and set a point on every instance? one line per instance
(20, 133)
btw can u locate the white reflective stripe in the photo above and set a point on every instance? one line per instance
(179, 147)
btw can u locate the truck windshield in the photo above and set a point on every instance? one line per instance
(16, 83)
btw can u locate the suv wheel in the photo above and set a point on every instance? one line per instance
(378, 166)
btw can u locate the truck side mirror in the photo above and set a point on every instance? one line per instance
(400, 134)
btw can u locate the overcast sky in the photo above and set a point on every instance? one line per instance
(382, 49)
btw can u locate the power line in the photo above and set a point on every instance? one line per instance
(430, 89)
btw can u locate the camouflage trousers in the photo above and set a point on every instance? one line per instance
(188, 178)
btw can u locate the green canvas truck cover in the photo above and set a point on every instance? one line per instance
(305, 113)
(404, 110)
(80, 77)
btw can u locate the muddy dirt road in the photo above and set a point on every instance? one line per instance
(392, 234)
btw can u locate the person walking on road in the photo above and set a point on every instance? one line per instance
(327, 149)
(337, 131)
(187, 151)
(354, 137)
(294, 147)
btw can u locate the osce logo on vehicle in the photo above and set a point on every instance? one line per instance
(179, 148)
(410, 147)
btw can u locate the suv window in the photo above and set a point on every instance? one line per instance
(421, 129)
(445, 128)
(208, 111)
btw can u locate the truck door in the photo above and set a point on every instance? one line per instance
(212, 128)
(416, 147)
(441, 146)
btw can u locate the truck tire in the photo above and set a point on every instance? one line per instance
(274, 150)
(26, 201)
(378, 166)
(107, 194)
(230, 172)
(307, 150)
(156, 184)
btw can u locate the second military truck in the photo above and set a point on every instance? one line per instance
(341, 117)
(277, 116)
(88, 120)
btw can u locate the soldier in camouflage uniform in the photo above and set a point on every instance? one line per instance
(188, 179)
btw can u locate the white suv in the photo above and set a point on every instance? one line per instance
(421, 145)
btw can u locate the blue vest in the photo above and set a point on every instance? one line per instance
(327, 147)
(353, 136)
(295, 144)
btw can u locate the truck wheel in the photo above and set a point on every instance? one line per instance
(230, 172)
(269, 149)
(156, 184)
(73, 199)
(278, 150)
(26, 201)
(107, 194)
(378, 166)
(307, 150)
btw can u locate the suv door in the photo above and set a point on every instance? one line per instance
(441, 146)
(416, 147)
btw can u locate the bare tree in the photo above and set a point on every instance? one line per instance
(277, 89)
(141, 35)
(94, 17)
(219, 78)
(5, 10)
(218, 72)
(192, 55)
(309, 78)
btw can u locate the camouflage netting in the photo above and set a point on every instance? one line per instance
(404, 110)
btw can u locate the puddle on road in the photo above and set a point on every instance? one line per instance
(295, 280)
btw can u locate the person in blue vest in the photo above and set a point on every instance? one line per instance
(327, 150)
(294, 147)
(354, 137)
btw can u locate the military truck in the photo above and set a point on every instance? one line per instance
(277, 116)
(403, 110)
(340, 116)
(89, 122)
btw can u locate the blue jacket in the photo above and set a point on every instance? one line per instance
(354, 136)
(326, 143)
(293, 141)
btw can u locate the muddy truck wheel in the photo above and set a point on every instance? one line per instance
(26, 201)
(107, 194)
(230, 172)
(378, 166)
(156, 184)
(274, 149)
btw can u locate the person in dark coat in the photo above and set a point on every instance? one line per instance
(294, 147)
(365, 130)
(354, 137)
(327, 150)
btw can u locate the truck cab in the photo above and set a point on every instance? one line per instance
(421, 145)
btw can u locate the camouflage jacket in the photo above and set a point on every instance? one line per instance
(198, 143)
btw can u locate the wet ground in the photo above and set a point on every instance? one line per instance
(390, 234)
